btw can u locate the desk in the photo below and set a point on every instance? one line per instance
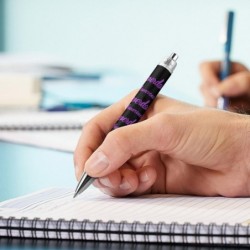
(25, 169)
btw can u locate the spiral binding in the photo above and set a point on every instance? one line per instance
(41, 127)
(123, 231)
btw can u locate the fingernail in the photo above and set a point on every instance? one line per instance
(125, 185)
(78, 173)
(105, 191)
(143, 177)
(106, 182)
(97, 163)
(215, 92)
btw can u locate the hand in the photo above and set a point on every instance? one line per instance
(177, 148)
(236, 86)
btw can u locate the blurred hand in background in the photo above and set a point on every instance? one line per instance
(236, 87)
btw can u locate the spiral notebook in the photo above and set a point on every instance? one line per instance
(42, 120)
(54, 214)
(52, 130)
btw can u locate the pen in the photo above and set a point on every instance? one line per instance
(139, 105)
(227, 33)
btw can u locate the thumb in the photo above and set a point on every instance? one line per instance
(123, 143)
(235, 85)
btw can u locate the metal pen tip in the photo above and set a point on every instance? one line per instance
(83, 184)
(174, 56)
(170, 62)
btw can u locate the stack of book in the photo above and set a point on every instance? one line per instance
(20, 79)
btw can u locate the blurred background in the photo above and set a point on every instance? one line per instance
(127, 38)
(92, 53)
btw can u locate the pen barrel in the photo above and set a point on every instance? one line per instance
(144, 97)
(223, 101)
(225, 67)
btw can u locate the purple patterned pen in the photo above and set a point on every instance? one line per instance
(139, 105)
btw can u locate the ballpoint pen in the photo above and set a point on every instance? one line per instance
(226, 39)
(139, 105)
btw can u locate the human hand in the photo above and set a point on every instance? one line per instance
(177, 148)
(236, 86)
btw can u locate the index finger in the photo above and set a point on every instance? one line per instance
(210, 72)
(95, 131)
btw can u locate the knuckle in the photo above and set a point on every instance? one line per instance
(88, 125)
(93, 123)
(246, 78)
(238, 66)
(118, 140)
(164, 126)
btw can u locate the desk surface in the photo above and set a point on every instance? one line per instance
(26, 169)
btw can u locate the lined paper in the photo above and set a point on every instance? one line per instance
(41, 119)
(92, 205)
(53, 130)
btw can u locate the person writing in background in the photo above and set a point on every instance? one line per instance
(236, 86)
(176, 148)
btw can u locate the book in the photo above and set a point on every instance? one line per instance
(19, 90)
(21, 78)
(38, 65)
(159, 218)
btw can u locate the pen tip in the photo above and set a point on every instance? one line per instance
(75, 195)
(174, 56)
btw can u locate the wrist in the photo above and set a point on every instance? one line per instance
(242, 128)
(245, 128)
(239, 139)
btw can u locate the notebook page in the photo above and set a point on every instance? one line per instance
(18, 119)
(93, 205)
(61, 139)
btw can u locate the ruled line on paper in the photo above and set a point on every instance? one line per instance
(93, 205)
